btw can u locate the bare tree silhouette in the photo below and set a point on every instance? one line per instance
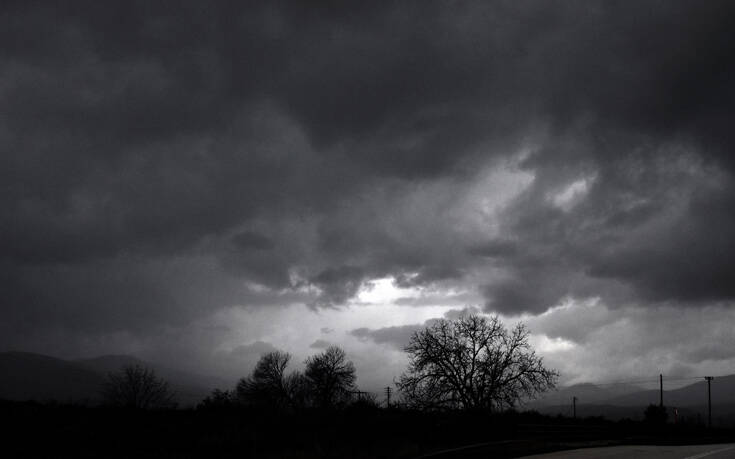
(136, 386)
(472, 363)
(217, 399)
(330, 377)
(267, 384)
(297, 389)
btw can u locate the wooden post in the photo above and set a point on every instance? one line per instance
(661, 390)
(709, 400)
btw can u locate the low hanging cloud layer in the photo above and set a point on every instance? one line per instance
(160, 166)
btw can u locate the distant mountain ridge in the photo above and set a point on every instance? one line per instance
(29, 376)
(619, 401)
(587, 392)
(108, 363)
(723, 392)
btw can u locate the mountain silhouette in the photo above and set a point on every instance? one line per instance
(695, 394)
(629, 401)
(29, 376)
(108, 363)
(586, 393)
(190, 388)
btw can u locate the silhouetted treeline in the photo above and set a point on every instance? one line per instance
(328, 382)
(470, 363)
(319, 413)
(356, 431)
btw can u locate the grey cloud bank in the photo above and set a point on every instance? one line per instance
(160, 165)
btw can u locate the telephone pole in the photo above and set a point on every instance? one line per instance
(709, 400)
(387, 396)
(574, 407)
(661, 390)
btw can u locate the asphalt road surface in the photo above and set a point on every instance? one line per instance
(722, 451)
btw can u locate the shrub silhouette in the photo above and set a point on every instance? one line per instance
(655, 414)
(330, 378)
(266, 385)
(136, 386)
(218, 399)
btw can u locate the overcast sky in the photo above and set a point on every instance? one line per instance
(196, 183)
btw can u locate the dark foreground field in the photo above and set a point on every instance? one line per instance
(43, 430)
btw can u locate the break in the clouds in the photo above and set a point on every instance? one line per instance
(163, 165)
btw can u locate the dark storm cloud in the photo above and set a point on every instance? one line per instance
(495, 248)
(241, 358)
(454, 314)
(690, 260)
(254, 349)
(441, 299)
(338, 284)
(159, 163)
(649, 227)
(397, 336)
(320, 344)
(252, 240)
(613, 343)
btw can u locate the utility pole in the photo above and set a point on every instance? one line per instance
(709, 400)
(574, 407)
(387, 396)
(661, 390)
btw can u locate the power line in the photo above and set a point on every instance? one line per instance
(685, 379)
(653, 380)
(638, 381)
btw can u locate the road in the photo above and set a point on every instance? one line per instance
(721, 451)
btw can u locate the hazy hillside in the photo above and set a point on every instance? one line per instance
(113, 362)
(586, 393)
(626, 395)
(691, 401)
(28, 376)
(723, 392)
(695, 394)
(640, 398)
(108, 363)
(611, 412)
(190, 388)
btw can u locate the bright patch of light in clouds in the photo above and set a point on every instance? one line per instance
(573, 193)
(493, 189)
(544, 344)
(384, 291)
